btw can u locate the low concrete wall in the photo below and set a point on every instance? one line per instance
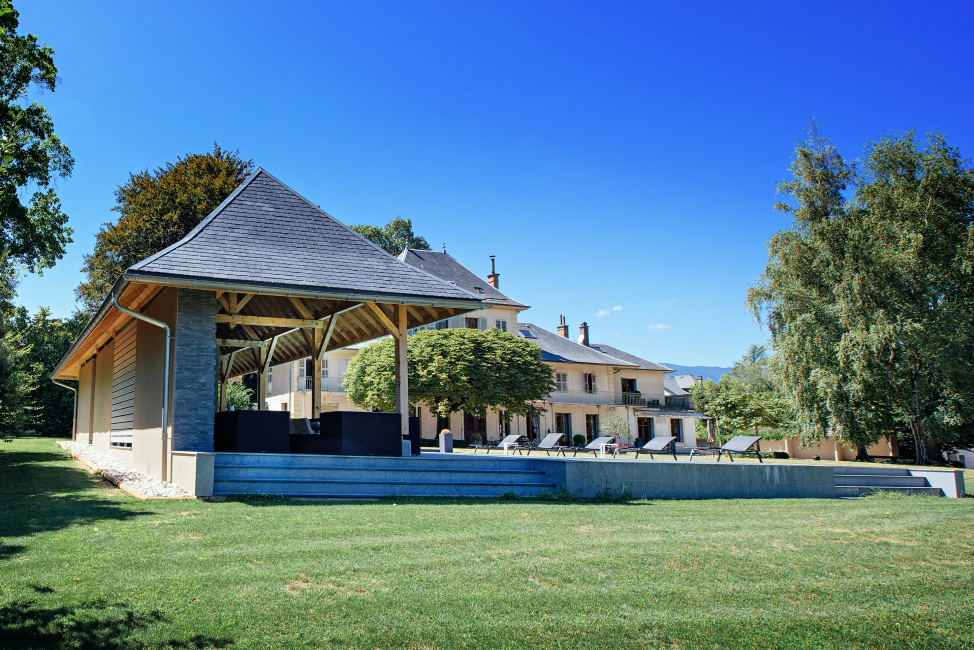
(951, 481)
(193, 471)
(587, 478)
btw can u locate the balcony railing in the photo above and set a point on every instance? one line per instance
(328, 385)
(602, 398)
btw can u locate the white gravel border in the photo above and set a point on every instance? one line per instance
(127, 477)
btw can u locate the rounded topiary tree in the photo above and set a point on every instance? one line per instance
(454, 370)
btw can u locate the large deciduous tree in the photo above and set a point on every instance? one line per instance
(869, 296)
(31, 154)
(157, 209)
(394, 237)
(454, 370)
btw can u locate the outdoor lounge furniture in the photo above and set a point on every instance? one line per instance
(548, 445)
(658, 445)
(740, 445)
(597, 446)
(509, 442)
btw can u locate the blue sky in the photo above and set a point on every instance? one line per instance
(620, 159)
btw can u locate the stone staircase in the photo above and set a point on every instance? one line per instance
(859, 481)
(429, 475)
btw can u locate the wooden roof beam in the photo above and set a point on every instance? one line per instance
(383, 318)
(268, 321)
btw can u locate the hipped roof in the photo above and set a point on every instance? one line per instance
(555, 347)
(444, 266)
(268, 240)
(266, 233)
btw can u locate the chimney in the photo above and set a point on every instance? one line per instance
(583, 334)
(562, 327)
(493, 278)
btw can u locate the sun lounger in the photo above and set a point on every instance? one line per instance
(658, 445)
(597, 446)
(740, 445)
(548, 445)
(510, 442)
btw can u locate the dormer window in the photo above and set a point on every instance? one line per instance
(479, 289)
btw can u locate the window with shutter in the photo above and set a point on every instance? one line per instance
(561, 381)
(588, 383)
(482, 323)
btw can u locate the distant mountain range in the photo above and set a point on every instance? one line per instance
(707, 372)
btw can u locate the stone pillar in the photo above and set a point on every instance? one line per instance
(402, 371)
(194, 370)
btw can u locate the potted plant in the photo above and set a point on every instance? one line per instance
(476, 439)
(446, 442)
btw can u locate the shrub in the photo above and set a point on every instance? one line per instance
(578, 439)
(781, 454)
(476, 437)
(445, 431)
(563, 496)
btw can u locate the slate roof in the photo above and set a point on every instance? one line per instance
(265, 233)
(442, 265)
(685, 381)
(672, 387)
(557, 348)
(631, 358)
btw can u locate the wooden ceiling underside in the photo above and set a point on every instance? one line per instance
(279, 325)
(283, 326)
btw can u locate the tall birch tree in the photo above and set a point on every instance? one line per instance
(868, 297)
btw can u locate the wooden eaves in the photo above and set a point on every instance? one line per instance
(254, 319)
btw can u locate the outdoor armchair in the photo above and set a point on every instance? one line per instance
(597, 446)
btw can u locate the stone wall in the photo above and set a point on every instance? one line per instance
(194, 370)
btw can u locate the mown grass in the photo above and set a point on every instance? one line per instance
(85, 566)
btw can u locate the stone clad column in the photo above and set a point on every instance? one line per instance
(194, 370)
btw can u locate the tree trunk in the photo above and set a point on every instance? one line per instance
(919, 435)
(863, 456)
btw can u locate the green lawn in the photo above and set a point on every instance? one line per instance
(85, 566)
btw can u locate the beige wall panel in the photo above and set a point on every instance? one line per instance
(149, 367)
(102, 414)
(85, 386)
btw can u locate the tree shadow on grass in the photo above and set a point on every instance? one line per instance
(41, 492)
(93, 625)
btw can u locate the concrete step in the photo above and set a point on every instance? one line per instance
(424, 461)
(389, 474)
(366, 489)
(880, 480)
(865, 468)
(862, 490)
